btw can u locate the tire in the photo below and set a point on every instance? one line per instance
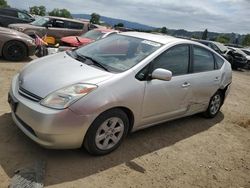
(214, 106)
(14, 51)
(107, 132)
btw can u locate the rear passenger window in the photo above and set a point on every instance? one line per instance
(219, 61)
(176, 59)
(58, 23)
(203, 60)
(74, 25)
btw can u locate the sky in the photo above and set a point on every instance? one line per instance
(193, 15)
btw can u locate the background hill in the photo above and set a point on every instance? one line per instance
(234, 37)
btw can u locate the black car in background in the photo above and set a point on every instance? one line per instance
(12, 15)
(237, 60)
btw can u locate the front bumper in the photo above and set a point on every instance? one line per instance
(57, 129)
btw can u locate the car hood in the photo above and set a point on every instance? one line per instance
(72, 40)
(46, 75)
(9, 32)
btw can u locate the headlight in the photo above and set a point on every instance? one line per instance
(64, 97)
(31, 41)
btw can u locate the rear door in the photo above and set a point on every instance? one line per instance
(168, 99)
(205, 78)
(58, 28)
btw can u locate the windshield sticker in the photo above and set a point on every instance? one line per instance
(151, 43)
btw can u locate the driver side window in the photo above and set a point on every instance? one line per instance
(175, 59)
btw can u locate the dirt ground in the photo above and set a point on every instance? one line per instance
(190, 152)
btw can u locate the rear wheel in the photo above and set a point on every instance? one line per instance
(214, 105)
(107, 132)
(14, 51)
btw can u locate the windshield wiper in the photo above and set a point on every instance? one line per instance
(83, 58)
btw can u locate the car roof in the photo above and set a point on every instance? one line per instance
(163, 39)
(13, 9)
(65, 19)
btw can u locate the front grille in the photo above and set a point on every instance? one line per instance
(29, 95)
(27, 127)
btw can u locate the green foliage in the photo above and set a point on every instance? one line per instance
(60, 13)
(119, 25)
(38, 10)
(3, 4)
(195, 37)
(95, 18)
(164, 30)
(204, 35)
(223, 39)
(246, 40)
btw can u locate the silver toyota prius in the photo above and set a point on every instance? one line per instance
(95, 95)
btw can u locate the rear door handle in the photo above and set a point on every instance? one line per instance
(186, 84)
(216, 78)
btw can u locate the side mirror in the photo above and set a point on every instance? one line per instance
(162, 74)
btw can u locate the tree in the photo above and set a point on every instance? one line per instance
(205, 34)
(95, 18)
(164, 30)
(119, 25)
(41, 10)
(3, 4)
(223, 39)
(246, 40)
(60, 13)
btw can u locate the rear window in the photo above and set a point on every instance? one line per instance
(203, 60)
(219, 61)
(74, 25)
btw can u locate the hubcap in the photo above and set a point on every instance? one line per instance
(215, 104)
(109, 133)
(15, 51)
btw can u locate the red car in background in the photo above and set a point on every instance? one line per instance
(88, 37)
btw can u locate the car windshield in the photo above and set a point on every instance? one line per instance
(119, 53)
(93, 34)
(40, 21)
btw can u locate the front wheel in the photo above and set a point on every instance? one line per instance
(106, 132)
(214, 105)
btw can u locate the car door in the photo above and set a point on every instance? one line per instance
(205, 77)
(73, 28)
(168, 99)
(56, 28)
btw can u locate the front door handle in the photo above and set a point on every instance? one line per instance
(186, 84)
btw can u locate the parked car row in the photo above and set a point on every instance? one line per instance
(24, 27)
(12, 15)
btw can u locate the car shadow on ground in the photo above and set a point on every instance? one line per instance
(17, 151)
